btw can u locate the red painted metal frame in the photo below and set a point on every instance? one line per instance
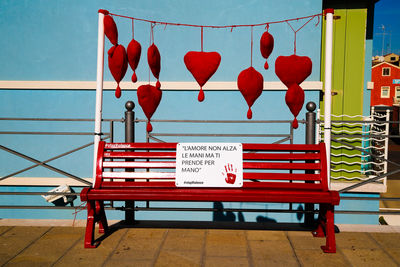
(259, 185)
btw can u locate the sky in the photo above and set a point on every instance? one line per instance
(387, 25)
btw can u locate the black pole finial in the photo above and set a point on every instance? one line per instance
(129, 105)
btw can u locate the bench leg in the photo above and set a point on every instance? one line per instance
(96, 214)
(320, 231)
(90, 226)
(101, 217)
(330, 246)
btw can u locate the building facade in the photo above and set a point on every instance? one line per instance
(386, 79)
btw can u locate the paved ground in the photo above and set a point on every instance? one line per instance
(63, 246)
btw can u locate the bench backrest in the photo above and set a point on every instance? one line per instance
(264, 165)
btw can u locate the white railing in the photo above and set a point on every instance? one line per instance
(361, 150)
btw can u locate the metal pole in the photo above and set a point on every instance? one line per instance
(99, 88)
(385, 168)
(310, 139)
(129, 138)
(328, 88)
(318, 134)
(310, 123)
(129, 122)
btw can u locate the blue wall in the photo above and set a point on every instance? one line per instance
(57, 40)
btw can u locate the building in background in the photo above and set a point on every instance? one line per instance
(386, 79)
(390, 58)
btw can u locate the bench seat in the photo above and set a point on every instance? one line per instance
(246, 194)
(272, 173)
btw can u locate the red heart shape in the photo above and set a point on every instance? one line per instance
(266, 46)
(251, 84)
(202, 65)
(149, 98)
(118, 64)
(295, 99)
(133, 52)
(293, 69)
(110, 29)
(154, 60)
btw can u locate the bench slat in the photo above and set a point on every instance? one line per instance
(144, 146)
(280, 156)
(246, 165)
(246, 156)
(140, 155)
(139, 175)
(250, 147)
(139, 164)
(246, 176)
(281, 166)
(281, 176)
(281, 147)
(253, 185)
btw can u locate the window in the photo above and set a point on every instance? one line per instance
(392, 58)
(385, 91)
(385, 71)
(397, 92)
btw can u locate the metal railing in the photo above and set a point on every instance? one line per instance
(45, 163)
(364, 134)
(130, 122)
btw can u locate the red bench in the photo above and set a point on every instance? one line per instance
(276, 173)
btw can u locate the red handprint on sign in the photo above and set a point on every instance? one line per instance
(230, 175)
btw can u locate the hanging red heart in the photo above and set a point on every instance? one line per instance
(266, 46)
(295, 99)
(154, 60)
(133, 52)
(202, 65)
(149, 98)
(293, 69)
(251, 84)
(110, 29)
(118, 64)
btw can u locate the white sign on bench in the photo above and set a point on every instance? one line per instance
(209, 165)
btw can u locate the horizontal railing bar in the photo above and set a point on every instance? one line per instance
(367, 212)
(371, 198)
(219, 135)
(38, 207)
(258, 210)
(56, 119)
(50, 133)
(364, 135)
(214, 210)
(39, 193)
(367, 122)
(222, 121)
(206, 209)
(77, 194)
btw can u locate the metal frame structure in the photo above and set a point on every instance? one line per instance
(100, 74)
